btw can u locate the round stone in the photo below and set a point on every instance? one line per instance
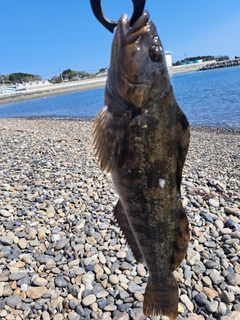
(40, 281)
(89, 300)
(113, 279)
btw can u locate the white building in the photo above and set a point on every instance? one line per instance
(7, 91)
(168, 57)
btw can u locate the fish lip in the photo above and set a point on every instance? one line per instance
(127, 31)
(134, 83)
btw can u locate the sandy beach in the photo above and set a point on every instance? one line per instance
(62, 255)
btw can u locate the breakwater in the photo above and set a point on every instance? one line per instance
(221, 64)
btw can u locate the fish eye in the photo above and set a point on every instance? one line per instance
(156, 54)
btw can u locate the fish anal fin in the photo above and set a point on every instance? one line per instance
(182, 238)
(111, 136)
(127, 231)
(161, 297)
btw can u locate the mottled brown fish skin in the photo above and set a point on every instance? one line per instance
(141, 136)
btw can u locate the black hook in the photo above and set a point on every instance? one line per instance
(138, 6)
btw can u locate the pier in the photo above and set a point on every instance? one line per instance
(221, 64)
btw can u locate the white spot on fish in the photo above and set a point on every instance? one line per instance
(161, 183)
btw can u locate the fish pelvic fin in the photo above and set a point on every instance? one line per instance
(161, 297)
(125, 227)
(182, 238)
(111, 139)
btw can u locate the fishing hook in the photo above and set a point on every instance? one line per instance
(138, 6)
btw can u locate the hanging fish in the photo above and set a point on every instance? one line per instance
(141, 137)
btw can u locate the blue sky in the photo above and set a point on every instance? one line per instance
(45, 36)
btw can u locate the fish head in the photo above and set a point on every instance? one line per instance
(138, 68)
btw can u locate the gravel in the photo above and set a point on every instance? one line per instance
(62, 255)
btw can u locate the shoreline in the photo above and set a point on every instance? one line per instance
(55, 90)
(83, 85)
(196, 127)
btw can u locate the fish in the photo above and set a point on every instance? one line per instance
(141, 137)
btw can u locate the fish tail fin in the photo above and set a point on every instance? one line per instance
(161, 298)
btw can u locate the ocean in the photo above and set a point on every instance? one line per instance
(208, 98)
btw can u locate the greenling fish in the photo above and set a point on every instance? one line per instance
(141, 136)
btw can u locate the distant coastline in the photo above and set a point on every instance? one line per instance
(82, 85)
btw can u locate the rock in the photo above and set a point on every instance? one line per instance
(211, 306)
(13, 300)
(89, 300)
(192, 256)
(235, 315)
(227, 297)
(45, 316)
(40, 281)
(201, 299)
(102, 258)
(88, 278)
(216, 277)
(186, 301)
(222, 309)
(5, 240)
(121, 254)
(23, 243)
(198, 268)
(110, 307)
(61, 243)
(213, 202)
(195, 317)
(133, 287)
(233, 278)
(233, 211)
(210, 293)
(121, 316)
(17, 275)
(113, 279)
(73, 316)
(35, 292)
(138, 296)
(60, 282)
(5, 213)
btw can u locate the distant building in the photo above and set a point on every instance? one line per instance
(24, 87)
(7, 90)
(168, 57)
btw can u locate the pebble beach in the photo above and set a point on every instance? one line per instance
(62, 255)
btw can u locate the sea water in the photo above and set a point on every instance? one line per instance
(209, 98)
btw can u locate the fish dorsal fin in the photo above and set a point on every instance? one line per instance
(111, 136)
(127, 231)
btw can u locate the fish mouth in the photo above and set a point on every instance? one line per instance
(141, 26)
(130, 35)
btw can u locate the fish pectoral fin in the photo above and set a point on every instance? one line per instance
(125, 227)
(161, 297)
(111, 139)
